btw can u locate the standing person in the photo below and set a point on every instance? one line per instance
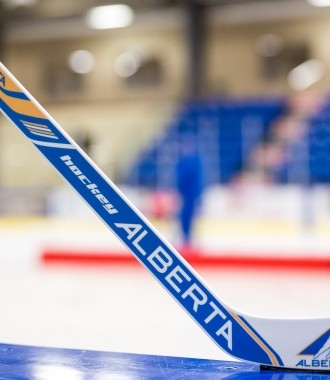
(189, 185)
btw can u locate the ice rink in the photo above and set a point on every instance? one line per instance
(213, 119)
(121, 308)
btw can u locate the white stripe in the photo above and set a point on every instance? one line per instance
(30, 124)
(53, 145)
(38, 128)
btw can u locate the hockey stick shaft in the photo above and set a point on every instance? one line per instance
(230, 331)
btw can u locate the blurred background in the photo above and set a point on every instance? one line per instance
(212, 116)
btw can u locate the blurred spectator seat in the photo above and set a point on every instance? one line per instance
(226, 131)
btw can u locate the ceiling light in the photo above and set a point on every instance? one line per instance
(127, 64)
(110, 16)
(306, 74)
(319, 3)
(81, 61)
(19, 3)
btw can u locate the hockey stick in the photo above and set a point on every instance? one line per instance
(290, 343)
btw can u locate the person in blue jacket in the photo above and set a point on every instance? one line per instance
(189, 185)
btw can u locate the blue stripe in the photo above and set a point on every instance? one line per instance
(19, 119)
(262, 340)
(14, 94)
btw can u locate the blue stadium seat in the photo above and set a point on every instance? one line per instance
(219, 127)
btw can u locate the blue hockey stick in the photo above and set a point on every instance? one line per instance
(290, 343)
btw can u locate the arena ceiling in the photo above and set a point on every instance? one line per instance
(36, 9)
(32, 19)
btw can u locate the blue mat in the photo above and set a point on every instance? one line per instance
(39, 363)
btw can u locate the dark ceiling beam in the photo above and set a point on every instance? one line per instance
(195, 13)
(230, 2)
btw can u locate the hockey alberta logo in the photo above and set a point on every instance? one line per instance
(320, 350)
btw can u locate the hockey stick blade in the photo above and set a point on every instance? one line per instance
(288, 343)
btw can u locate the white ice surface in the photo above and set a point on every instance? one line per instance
(123, 308)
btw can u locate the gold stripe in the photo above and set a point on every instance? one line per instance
(25, 107)
(270, 354)
(10, 85)
(21, 106)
